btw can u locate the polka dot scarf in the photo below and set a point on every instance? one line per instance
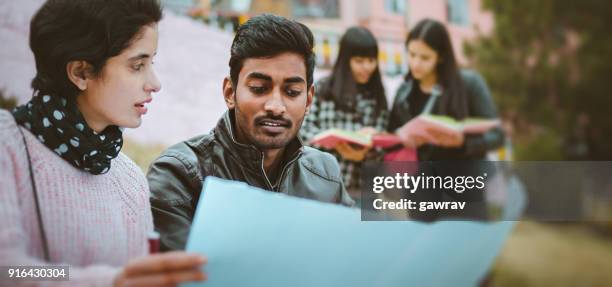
(59, 125)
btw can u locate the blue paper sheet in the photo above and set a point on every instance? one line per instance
(257, 238)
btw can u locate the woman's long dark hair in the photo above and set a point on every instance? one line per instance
(356, 42)
(453, 101)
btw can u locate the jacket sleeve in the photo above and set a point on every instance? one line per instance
(336, 175)
(346, 199)
(481, 105)
(174, 185)
(398, 115)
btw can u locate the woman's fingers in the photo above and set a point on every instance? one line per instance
(428, 137)
(344, 150)
(165, 269)
(341, 148)
(164, 262)
(357, 147)
(166, 279)
(448, 139)
(414, 135)
(348, 152)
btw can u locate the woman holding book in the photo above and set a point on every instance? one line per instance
(435, 85)
(67, 195)
(352, 99)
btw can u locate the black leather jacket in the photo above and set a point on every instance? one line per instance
(176, 177)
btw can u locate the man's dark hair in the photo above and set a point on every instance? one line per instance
(269, 35)
(83, 30)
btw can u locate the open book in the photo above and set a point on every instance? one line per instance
(467, 126)
(329, 139)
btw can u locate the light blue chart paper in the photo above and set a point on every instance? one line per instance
(259, 238)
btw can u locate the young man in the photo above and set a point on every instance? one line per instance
(268, 93)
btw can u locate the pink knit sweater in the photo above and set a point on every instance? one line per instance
(94, 223)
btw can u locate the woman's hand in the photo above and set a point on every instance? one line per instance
(416, 133)
(449, 139)
(163, 269)
(413, 135)
(349, 152)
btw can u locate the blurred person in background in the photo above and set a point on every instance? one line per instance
(352, 98)
(464, 93)
(68, 196)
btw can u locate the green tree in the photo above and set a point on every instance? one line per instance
(548, 63)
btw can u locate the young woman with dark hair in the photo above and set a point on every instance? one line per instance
(67, 194)
(352, 98)
(436, 85)
(462, 94)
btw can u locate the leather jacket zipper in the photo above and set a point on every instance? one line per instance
(280, 177)
(263, 171)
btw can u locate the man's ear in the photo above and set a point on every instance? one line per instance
(228, 93)
(309, 98)
(78, 72)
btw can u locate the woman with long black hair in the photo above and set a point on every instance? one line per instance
(436, 85)
(352, 98)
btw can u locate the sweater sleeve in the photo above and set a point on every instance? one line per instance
(173, 182)
(14, 181)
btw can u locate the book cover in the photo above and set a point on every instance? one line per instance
(467, 126)
(329, 139)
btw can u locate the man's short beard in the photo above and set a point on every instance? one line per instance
(252, 140)
(273, 144)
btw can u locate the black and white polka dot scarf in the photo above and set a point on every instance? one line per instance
(59, 125)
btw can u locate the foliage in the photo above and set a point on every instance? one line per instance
(548, 63)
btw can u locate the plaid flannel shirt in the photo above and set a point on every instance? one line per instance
(324, 115)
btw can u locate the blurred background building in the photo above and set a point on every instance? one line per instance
(389, 21)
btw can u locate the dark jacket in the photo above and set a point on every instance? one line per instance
(176, 177)
(467, 159)
(480, 104)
